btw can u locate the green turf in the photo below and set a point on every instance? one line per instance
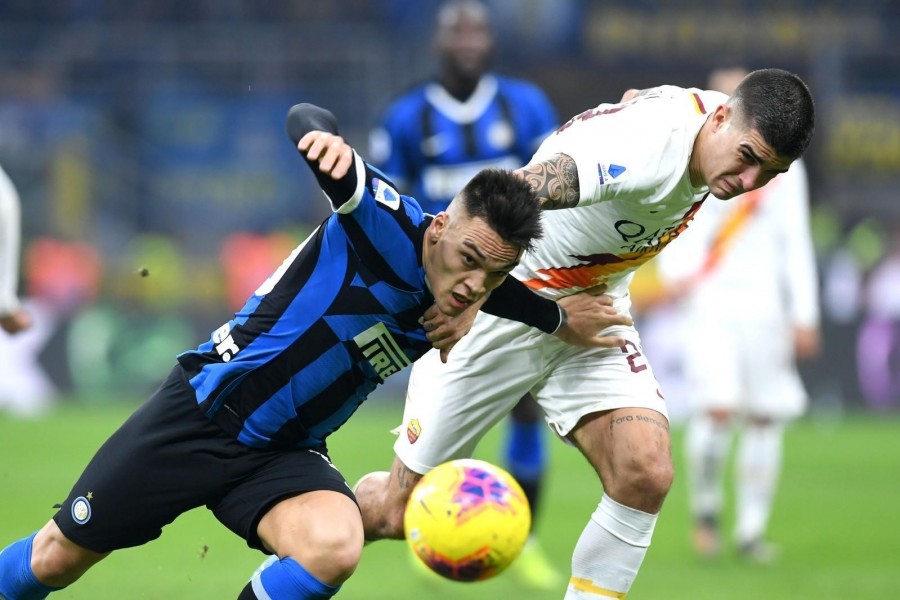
(836, 518)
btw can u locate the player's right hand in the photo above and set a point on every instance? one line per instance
(588, 315)
(334, 155)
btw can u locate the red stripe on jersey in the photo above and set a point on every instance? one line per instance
(700, 108)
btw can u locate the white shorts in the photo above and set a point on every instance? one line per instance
(745, 367)
(449, 407)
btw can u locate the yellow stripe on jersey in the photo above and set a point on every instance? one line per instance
(586, 585)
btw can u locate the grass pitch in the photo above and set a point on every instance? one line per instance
(836, 518)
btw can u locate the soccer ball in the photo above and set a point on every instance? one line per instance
(467, 520)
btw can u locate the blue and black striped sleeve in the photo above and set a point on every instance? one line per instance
(515, 301)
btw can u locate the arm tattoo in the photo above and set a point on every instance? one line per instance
(555, 181)
(406, 478)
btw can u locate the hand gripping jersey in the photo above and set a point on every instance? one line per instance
(636, 193)
(432, 144)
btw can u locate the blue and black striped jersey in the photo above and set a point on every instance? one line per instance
(431, 144)
(334, 320)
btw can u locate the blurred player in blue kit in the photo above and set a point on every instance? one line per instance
(240, 424)
(430, 142)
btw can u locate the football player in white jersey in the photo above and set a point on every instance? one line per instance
(13, 318)
(634, 174)
(747, 287)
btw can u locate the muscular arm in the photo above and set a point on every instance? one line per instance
(555, 180)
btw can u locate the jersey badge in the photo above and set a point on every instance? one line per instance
(609, 172)
(81, 510)
(413, 430)
(615, 170)
(381, 350)
(385, 194)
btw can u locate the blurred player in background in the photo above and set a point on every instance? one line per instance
(637, 171)
(13, 318)
(432, 140)
(745, 280)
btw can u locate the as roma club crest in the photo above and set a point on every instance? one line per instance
(413, 429)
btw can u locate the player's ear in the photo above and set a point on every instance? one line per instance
(438, 227)
(721, 116)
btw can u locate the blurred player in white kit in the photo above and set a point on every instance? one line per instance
(745, 279)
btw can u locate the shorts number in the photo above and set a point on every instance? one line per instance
(635, 359)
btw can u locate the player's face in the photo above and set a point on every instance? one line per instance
(738, 159)
(464, 259)
(465, 45)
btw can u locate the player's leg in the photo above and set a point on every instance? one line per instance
(317, 540)
(295, 505)
(608, 404)
(524, 449)
(707, 444)
(41, 563)
(525, 457)
(629, 448)
(759, 458)
(449, 407)
(714, 380)
(775, 395)
(124, 496)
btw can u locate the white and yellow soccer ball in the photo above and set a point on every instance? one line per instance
(467, 520)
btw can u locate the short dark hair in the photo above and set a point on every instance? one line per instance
(779, 105)
(507, 203)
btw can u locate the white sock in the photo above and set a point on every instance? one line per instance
(610, 551)
(758, 469)
(707, 443)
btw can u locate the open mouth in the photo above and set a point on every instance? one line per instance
(460, 301)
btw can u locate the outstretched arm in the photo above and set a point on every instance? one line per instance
(555, 181)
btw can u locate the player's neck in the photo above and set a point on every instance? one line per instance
(460, 87)
(695, 168)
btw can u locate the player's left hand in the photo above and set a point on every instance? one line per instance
(443, 332)
(587, 315)
(334, 155)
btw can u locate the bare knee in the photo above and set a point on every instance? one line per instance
(382, 500)
(57, 561)
(643, 483)
(333, 553)
(321, 530)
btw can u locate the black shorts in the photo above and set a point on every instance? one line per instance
(168, 458)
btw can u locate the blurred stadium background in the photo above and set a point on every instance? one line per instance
(150, 134)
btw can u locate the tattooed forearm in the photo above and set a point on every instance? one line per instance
(406, 478)
(555, 181)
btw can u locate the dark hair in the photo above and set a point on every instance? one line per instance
(780, 107)
(507, 203)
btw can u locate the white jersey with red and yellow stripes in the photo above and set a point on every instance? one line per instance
(636, 193)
